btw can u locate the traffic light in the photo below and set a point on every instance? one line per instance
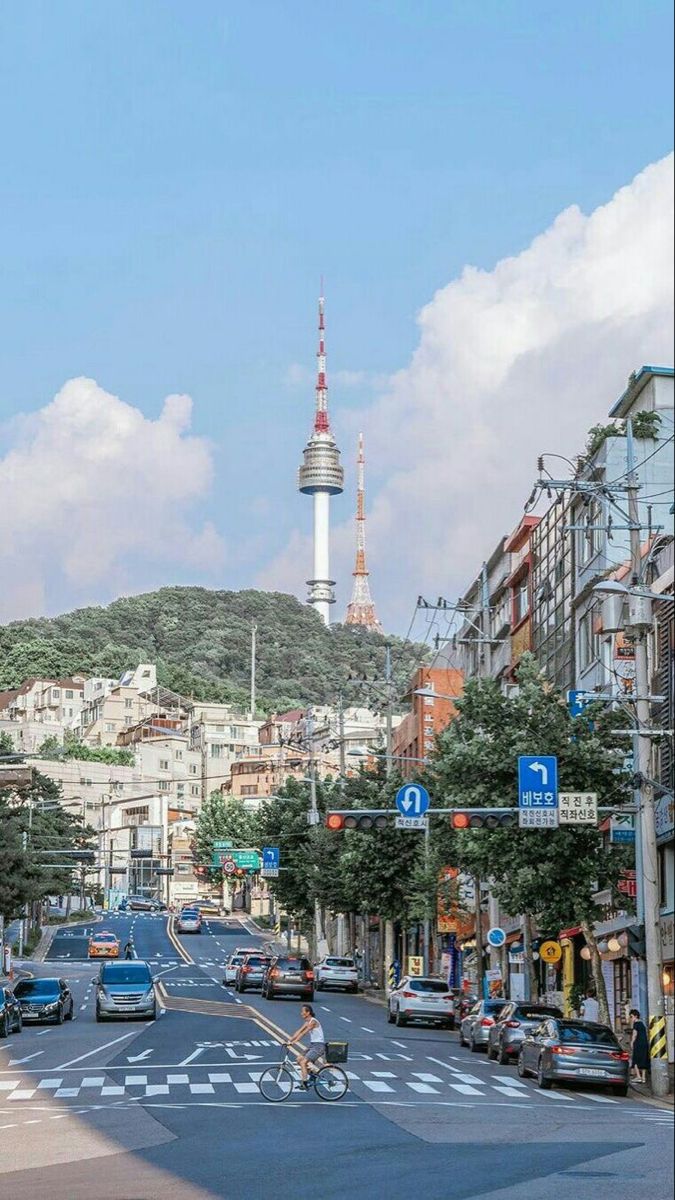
(140, 854)
(636, 941)
(487, 818)
(85, 856)
(356, 820)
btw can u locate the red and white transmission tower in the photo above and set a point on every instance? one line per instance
(361, 610)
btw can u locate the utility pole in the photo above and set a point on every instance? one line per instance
(495, 952)
(314, 818)
(638, 623)
(389, 759)
(479, 941)
(254, 632)
(388, 950)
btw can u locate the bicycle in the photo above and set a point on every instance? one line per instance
(276, 1083)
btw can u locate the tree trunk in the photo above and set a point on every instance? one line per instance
(389, 950)
(68, 902)
(530, 967)
(596, 970)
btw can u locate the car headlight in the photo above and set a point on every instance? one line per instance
(51, 1006)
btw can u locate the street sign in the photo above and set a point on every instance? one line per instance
(550, 952)
(412, 800)
(246, 860)
(622, 829)
(494, 975)
(415, 964)
(411, 822)
(537, 781)
(538, 818)
(223, 844)
(270, 862)
(228, 867)
(496, 937)
(578, 808)
(576, 702)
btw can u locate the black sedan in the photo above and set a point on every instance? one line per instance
(11, 1020)
(45, 1000)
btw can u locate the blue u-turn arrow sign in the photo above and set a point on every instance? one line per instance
(412, 800)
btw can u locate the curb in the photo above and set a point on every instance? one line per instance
(665, 1103)
(49, 932)
(374, 999)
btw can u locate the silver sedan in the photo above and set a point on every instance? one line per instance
(575, 1052)
(475, 1027)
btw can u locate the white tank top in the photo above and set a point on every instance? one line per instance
(316, 1033)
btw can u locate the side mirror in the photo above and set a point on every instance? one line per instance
(95, 979)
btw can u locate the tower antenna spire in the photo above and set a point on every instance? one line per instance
(361, 609)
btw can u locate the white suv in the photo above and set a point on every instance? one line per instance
(337, 972)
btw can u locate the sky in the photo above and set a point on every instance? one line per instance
(485, 189)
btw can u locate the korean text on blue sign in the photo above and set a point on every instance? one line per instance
(537, 781)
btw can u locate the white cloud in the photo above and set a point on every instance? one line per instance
(89, 489)
(510, 362)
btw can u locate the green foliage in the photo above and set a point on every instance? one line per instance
(200, 641)
(645, 425)
(116, 756)
(552, 874)
(223, 817)
(35, 826)
(6, 744)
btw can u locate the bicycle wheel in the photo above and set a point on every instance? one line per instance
(276, 1083)
(331, 1083)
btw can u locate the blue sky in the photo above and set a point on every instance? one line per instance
(176, 177)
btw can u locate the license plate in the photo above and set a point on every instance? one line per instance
(591, 1071)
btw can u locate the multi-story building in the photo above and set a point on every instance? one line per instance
(166, 759)
(110, 708)
(519, 586)
(221, 735)
(41, 708)
(483, 643)
(257, 778)
(552, 549)
(429, 713)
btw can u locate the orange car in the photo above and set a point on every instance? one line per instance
(104, 945)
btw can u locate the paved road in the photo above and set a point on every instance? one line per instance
(171, 1109)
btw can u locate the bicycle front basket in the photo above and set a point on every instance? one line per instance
(337, 1052)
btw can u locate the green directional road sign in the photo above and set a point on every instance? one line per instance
(244, 860)
(222, 844)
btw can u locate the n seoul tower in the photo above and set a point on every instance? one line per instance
(321, 476)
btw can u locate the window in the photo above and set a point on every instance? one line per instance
(249, 789)
(194, 789)
(216, 750)
(193, 769)
(521, 601)
(429, 699)
(590, 535)
(163, 764)
(589, 642)
(128, 703)
(56, 692)
(69, 693)
(163, 785)
(109, 727)
(179, 754)
(128, 720)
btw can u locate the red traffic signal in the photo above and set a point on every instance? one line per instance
(356, 820)
(487, 818)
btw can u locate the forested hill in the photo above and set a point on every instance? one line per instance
(200, 641)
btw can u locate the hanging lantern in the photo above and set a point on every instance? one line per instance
(585, 953)
(614, 945)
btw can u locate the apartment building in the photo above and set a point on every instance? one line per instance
(41, 708)
(111, 707)
(256, 778)
(220, 736)
(429, 714)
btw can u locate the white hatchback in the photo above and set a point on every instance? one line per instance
(337, 972)
(421, 998)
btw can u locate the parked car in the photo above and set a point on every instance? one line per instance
(512, 1026)
(141, 904)
(288, 976)
(421, 998)
(332, 971)
(48, 999)
(103, 945)
(125, 989)
(11, 1020)
(251, 972)
(475, 1026)
(189, 921)
(562, 1051)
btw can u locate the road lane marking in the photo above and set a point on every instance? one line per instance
(597, 1099)
(93, 1081)
(384, 1075)
(50, 1083)
(97, 1050)
(366, 1029)
(347, 1019)
(425, 1078)
(465, 1089)
(22, 1094)
(178, 1079)
(247, 1088)
(510, 1080)
(112, 1091)
(402, 1045)
(202, 1089)
(423, 1087)
(513, 1092)
(135, 1080)
(376, 1085)
(195, 1054)
(157, 1089)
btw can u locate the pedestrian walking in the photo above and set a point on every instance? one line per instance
(129, 950)
(639, 1047)
(590, 1009)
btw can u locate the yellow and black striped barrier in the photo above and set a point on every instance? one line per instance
(658, 1041)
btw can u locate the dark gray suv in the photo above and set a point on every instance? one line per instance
(125, 989)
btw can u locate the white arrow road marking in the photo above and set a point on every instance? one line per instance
(241, 1057)
(139, 1057)
(195, 1054)
(14, 1062)
(541, 770)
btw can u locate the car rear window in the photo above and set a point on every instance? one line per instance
(339, 962)
(293, 964)
(428, 985)
(116, 973)
(587, 1035)
(536, 1012)
(493, 1006)
(37, 987)
(256, 960)
(105, 937)
(236, 959)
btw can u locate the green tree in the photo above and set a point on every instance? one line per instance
(553, 875)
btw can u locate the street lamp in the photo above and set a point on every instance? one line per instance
(431, 693)
(366, 752)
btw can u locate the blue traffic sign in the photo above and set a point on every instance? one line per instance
(576, 702)
(412, 800)
(537, 781)
(270, 858)
(496, 936)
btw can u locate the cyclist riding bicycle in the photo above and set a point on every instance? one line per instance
(317, 1044)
